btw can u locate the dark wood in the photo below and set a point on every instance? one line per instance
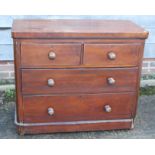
(78, 80)
(18, 79)
(77, 29)
(78, 107)
(36, 55)
(74, 128)
(83, 41)
(80, 71)
(97, 55)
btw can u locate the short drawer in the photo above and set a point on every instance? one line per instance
(46, 81)
(111, 55)
(49, 55)
(78, 107)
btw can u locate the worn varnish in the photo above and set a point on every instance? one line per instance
(97, 55)
(78, 107)
(77, 29)
(78, 80)
(36, 55)
(76, 75)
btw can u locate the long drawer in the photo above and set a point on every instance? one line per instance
(78, 107)
(52, 81)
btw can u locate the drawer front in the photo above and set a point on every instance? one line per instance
(111, 55)
(48, 55)
(78, 107)
(78, 80)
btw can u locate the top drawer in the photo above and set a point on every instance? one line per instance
(46, 55)
(111, 55)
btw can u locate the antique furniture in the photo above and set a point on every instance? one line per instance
(76, 75)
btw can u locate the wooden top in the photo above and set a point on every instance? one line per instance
(77, 29)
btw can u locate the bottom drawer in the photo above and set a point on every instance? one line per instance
(42, 109)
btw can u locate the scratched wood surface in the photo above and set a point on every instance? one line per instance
(6, 48)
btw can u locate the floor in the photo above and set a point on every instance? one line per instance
(144, 125)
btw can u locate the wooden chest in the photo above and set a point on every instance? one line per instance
(76, 75)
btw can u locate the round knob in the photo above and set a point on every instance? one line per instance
(50, 82)
(51, 55)
(111, 55)
(50, 111)
(111, 81)
(107, 108)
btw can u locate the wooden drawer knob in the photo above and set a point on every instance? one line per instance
(111, 55)
(111, 81)
(50, 111)
(107, 108)
(50, 82)
(51, 55)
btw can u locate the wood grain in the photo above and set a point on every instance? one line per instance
(78, 107)
(36, 55)
(97, 55)
(74, 128)
(17, 63)
(78, 80)
(77, 29)
(80, 72)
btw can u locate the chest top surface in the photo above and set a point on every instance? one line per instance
(61, 28)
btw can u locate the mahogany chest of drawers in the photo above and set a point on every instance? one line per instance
(76, 75)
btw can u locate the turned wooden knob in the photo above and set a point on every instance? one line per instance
(111, 55)
(50, 111)
(107, 108)
(51, 55)
(50, 82)
(111, 81)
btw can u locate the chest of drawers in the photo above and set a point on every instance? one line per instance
(76, 75)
